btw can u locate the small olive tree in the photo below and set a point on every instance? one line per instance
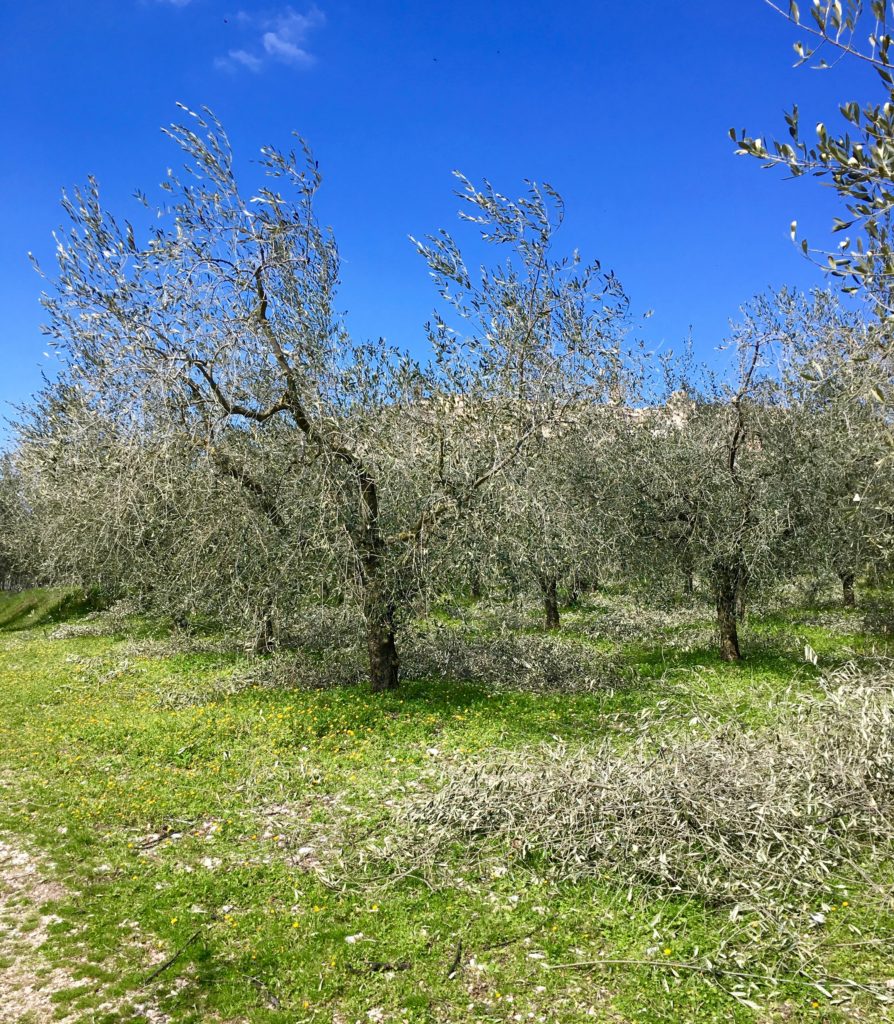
(714, 481)
(547, 531)
(219, 334)
(847, 499)
(562, 515)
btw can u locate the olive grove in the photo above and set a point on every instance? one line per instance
(218, 447)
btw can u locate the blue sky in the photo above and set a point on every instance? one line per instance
(622, 107)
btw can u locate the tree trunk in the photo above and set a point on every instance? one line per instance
(475, 583)
(847, 589)
(688, 579)
(741, 594)
(550, 601)
(264, 640)
(378, 604)
(384, 663)
(726, 581)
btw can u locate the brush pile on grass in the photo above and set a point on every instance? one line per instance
(111, 621)
(624, 621)
(285, 670)
(878, 617)
(729, 816)
(307, 670)
(509, 660)
(78, 630)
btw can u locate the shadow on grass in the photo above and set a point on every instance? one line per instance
(439, 712)
(30, 608)
(653, 661)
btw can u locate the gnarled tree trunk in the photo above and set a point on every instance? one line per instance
(741, 595)
(264, 639)
(550, 601)
(725, 578)
(384, 663)
(848, 594)
(378, 605)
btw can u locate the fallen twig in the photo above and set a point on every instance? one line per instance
(666, 964)
(380, 965)
(511, 941)
(173, 959)
(457, 960)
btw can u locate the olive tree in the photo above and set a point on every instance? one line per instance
(713, 480)
(219, 332)
(152, 516)
(841, 438)
(850, 491)
(750, 480)
(547, 535)
(566, 518)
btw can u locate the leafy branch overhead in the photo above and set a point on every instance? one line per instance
(857, 160)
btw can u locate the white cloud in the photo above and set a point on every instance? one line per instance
(245, 59)
(283, 38)
(283, 50)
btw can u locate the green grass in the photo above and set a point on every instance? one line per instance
(102, 747)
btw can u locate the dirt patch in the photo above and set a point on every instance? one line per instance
(28, 982)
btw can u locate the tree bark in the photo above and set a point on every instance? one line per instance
(847, 589)
(550, 601)
(726, 581)
(378, 603)
(384, 663)
(264, 640)
(741, 596)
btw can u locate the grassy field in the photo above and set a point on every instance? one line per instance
(214, 843)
